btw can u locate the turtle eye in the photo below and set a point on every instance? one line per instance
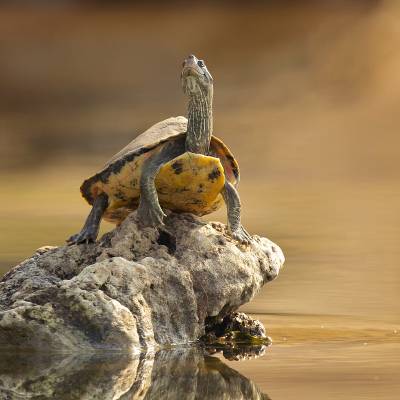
(200, 63)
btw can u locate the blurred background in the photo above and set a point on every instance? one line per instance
(307, 96)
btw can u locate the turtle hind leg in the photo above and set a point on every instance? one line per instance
(232, 200)
(90, 230)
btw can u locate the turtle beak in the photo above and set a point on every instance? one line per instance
(191, 61)
(190, 65)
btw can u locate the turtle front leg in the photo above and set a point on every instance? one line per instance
(232, 200)
(149, 211)
(90, 230)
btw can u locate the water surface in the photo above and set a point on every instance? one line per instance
(332, 364)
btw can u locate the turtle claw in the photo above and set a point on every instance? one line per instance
(150, 216)
(241, 235)
(72, 239)
(84, 236)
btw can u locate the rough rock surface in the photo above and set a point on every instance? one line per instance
(240, 323)
(135, 287)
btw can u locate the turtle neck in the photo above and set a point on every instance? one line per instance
(200, 122)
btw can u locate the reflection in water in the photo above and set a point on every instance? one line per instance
(167, 374)
(234, 352)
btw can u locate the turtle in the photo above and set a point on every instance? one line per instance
(177, 164)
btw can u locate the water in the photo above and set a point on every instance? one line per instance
(316, 369)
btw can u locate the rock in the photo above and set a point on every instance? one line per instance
(135, 287)
(240, 323)
(166, 374)
(237, 336)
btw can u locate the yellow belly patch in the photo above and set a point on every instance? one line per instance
(191, 183)
(188, 183)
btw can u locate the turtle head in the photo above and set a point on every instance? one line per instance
(195, 77)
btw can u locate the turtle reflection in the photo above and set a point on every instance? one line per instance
(167, 374)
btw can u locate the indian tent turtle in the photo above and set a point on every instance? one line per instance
(177, 164)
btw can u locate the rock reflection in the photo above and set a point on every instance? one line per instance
(238, 352)
(167, 374)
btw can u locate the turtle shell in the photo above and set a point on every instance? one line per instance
(189, 183)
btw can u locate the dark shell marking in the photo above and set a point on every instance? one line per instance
(212, 176)
(177, 166)
(113, 168)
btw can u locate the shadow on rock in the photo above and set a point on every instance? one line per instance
(167, 374)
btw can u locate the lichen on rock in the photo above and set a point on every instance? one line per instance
(133, 288)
